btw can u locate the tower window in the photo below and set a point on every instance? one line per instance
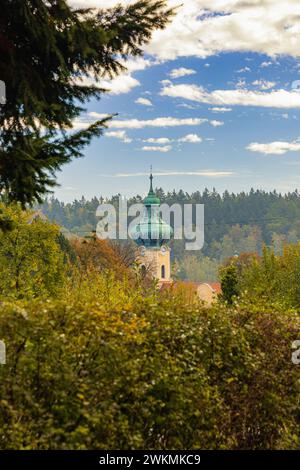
(163, 272)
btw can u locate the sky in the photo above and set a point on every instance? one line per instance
(213, 102)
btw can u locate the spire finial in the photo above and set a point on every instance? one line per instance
(151, 180)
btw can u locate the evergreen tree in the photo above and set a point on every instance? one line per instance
(46, 50)
(229, 283)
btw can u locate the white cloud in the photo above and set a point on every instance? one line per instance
(140, 124)
(244, 69)
(215, 123)
(264, 84)
(275, 148)
(220, 110)
(165, 149)
(241, 83)
(166, 82)
(81, 123)
(116, 86)
(121, 135)
(96, 115)
(274, 99)
(187, 106)
(268, 27)
(191, 138)
(122, 83)
(138, 63)
(158, 122)
(165, 122)
(181, 72)
(159, 140)
(143, 101)
(266, 64)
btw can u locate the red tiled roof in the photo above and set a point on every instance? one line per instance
(215, 286)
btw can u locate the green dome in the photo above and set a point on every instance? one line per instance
(151, 200)
(151, 231)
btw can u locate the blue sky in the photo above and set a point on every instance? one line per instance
(225, 116)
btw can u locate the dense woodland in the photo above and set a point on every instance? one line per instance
(234, 223)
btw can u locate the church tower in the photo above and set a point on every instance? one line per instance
(152, 235)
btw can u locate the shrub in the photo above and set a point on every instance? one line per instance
(112, 369)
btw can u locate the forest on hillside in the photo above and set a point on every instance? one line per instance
(234, 224)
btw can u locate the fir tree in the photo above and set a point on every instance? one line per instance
(46, 49)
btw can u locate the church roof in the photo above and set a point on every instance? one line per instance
(151, 231)
(151, 199)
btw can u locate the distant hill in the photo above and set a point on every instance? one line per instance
(234, 223)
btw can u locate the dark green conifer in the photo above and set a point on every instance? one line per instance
(45, 47)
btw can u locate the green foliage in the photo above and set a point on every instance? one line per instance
(229, 283)
(31, 261)
(47, 49)
(197, 268)
(114, 370)
(6, 223)
(274, 276)
(238, 239)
